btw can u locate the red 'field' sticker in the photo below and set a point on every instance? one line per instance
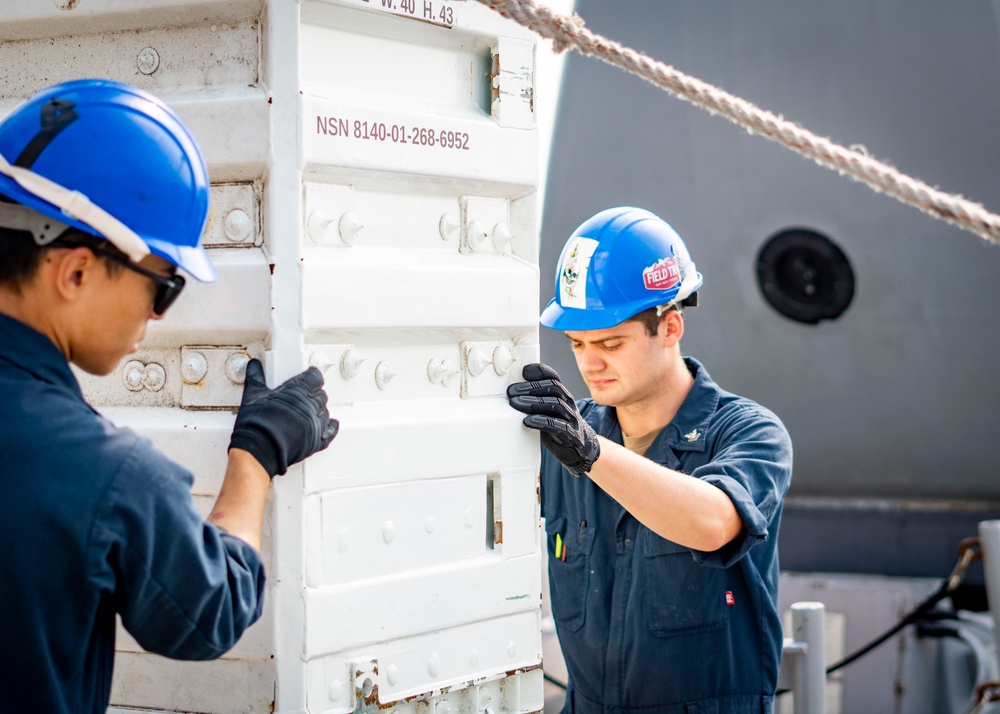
(662, 275)
(730, 600)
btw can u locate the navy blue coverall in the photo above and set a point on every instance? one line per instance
(648, 626)
(94, 521)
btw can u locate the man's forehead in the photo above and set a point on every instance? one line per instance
(622, 330)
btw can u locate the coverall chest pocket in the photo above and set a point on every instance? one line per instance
(569, 546)
(680, 596)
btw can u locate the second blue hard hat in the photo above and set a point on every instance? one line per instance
(615, 265)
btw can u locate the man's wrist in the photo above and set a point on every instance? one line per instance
(244, 462)
(257, 447)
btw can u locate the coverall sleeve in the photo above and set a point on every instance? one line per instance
(752, 463)
(183, 588)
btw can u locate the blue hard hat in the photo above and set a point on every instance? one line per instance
(615, 265)
(136, 165)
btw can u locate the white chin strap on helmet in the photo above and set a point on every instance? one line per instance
(72, 203)
(688, 285)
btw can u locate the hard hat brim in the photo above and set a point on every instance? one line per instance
(193, 260)
(557, 317)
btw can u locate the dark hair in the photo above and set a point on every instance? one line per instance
(651, 321)
(20, 256)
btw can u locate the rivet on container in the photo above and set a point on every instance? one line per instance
(476, 235)
(154, 377)
(383, 375)
(148, 60)
(350, 363)
(435, 371)
(194, 367)
(442, 372)
(503, 360)
(449, 372)
(448, 227)
(350, 225)
(132, 375)
(392, 675)
(238, 226)
(478, 361)
(236, 367)
(501, 237)
(320, 361)
(320, 227)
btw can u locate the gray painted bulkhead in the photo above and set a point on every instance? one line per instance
(892, 407)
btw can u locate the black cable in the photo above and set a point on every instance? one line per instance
(552, 680)
(910, 618)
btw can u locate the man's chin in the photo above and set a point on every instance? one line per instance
(99, 368)
(602, 398)
(96, 370)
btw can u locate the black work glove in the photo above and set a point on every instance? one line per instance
(284, 425)
(552, 410)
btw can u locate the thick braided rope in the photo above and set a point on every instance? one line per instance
(570, 33)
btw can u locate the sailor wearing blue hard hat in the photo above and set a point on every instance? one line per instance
(103, 198)
(661, 493)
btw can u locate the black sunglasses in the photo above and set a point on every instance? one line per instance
(167, 288)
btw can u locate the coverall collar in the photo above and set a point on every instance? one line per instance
(34, 353)
(686, 432)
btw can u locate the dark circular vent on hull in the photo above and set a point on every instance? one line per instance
(805, 276)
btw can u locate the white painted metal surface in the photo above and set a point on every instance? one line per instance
(989, 537)
(803, 658)
(374, 213)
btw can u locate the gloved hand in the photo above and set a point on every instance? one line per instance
(552, 410)
(284, 425)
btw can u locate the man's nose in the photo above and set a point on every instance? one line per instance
(590, 360)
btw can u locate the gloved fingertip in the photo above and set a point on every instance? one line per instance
(537, 371)
(536, 421)
(521, 404)
(331, 431)
(255, 371)
(530, 371)
(313, 377)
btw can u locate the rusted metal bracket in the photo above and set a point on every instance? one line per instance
(364, 679)
(969, 551)
(986, 692)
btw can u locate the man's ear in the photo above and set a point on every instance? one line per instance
(72, 270)
(671, 328)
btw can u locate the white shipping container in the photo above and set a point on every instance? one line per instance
(375, 191)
